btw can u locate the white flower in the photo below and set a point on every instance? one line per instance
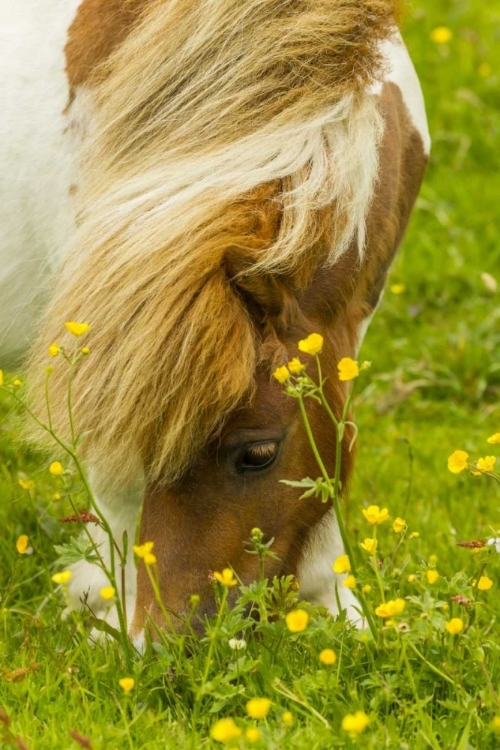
(494, 543)
(238, 643)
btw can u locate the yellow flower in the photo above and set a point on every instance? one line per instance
(441, 35)
(253, 734)
(127, 684)
(53, 350)
(225, 730)
(398, 288)
(366, 588)
(494, 439)
(85, 350)
(77, 329)
(287, 718)
(355, 723)
(282, 374)
(370, 546)
(374, 515)
(56, 468)
(313, 344)
(411, 578)
(63, 577)
(144, 551)
(258, 708)
(432, 576)
(414, 535)
(297, 620)
(1, 377)
(399, 525)
(22, 544)
(348, 369)
(26, 484)
(457, 462)
(487, 463)
(295, 366)
(484, 583)
(226, 577)
(17, 383)
(391, 608)
(107, 593)
(454, 626)
(495, 723)
(350, 582)
(341, 565)
(141, 550)
(328, 656)
(389, 623)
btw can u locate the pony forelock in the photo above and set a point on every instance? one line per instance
(210, 113)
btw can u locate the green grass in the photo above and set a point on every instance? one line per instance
(434, 387)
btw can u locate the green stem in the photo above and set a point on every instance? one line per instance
(375, 568)
(112, 572)
(313, 445)
(206, 669)
(334, 494)
(70, 406)
(159, 600)
(430, 665)
(47, 401)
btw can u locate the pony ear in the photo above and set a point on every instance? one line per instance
(271, 298)
(272, 301)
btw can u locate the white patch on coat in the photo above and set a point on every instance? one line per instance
(36, 161)
(401, 71)
(139, 641)
(318, 583)
(120, 506)
(362, 329)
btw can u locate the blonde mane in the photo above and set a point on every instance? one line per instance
(212, 115)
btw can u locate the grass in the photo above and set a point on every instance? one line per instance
(434, 387)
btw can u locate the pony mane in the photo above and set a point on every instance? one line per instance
(218, 127)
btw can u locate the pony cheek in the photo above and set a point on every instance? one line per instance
(192, 538)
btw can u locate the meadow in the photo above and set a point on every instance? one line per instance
(433, 388)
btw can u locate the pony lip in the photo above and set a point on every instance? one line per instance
(200, 226)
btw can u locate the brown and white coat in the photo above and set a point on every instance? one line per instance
(180, 222)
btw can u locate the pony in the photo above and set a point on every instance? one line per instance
(204, 182)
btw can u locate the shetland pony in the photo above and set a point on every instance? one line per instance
(205, 182)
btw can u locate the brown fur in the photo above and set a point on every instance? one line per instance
(98, 28)
(199, 526)
(177, 328)
(195, 537)
(192, 307)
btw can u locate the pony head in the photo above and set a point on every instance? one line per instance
(228, 207)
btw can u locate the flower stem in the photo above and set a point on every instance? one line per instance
(334, 491)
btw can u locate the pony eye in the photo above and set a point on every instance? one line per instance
(257, 456)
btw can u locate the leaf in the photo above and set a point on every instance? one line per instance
(78, 548)
(315, 487)
(104, 627)
(306, 482)
(464, 740)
